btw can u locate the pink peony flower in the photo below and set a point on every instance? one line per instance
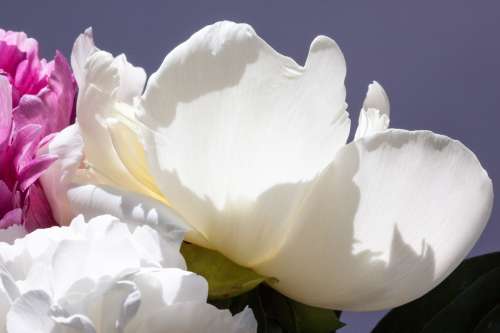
(36, 100)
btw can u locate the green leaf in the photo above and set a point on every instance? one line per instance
(457, 305)
(225, 278)
(490, 323)
(296, 317)
(276, 313)
(314, 320)
(467, 309)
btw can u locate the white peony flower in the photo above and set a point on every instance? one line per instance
(101, 276)
(249, 148)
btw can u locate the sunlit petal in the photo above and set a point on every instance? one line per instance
(393, 215)
(227, 119)
(375, 115)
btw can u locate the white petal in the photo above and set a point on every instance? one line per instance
(97, 103)
(391, 217)
(56, 180)
(130, 307)
(12, 233)
(30, 313)
(9, 292)
(375, 114)
(105, 253)
(158, 247)
(245, 321)
(100, 278)
(129, 207)
(171, 298)
(178, 318)
(124, 135)
(160, 288)
(77, 323)
(119, 304)
(83, 48)
(376, 98)
(227, 118)
(177, 286)
(132, 79)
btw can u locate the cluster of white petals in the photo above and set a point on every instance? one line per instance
(250, 149)
(104, 276)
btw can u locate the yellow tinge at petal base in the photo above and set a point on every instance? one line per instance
(131, 152)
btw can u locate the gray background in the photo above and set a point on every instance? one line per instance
(438, 60)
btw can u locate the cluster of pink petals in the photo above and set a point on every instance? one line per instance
(36, 100)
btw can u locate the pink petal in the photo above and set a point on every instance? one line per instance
(30, 111)
(11, 218)
(24, 145)
(27, 78)
(59, 97)
(5, 110)
(37, 99)
(33, 170)
(5, 198)
(46, 140)
(11, 57)
(20, 40)
(38, 213)
(19, 59)
(52, 108)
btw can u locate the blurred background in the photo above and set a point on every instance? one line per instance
(438, 60)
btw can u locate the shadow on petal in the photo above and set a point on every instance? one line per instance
(323, 263)
(213, 52)
(303, 234)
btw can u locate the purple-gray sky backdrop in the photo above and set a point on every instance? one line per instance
(438, 60)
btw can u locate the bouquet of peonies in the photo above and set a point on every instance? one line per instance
(221, 195)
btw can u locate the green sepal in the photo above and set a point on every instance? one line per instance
(225, 278)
